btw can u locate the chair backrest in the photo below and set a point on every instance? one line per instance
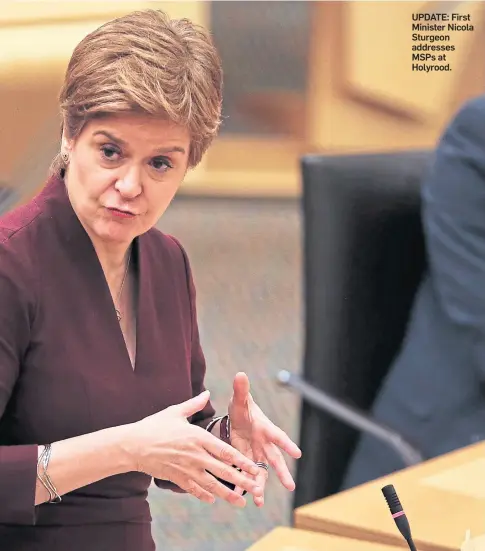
(363, 260)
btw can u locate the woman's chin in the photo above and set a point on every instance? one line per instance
(116, 232)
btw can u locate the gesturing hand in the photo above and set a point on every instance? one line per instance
(253, 434)
(168, 447)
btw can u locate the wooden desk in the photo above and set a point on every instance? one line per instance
(290, 539)
(442, 498)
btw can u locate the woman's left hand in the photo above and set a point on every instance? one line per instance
(254, 435)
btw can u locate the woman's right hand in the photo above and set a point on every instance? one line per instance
(166, 446)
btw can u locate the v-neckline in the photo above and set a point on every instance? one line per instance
(136, 258)
(79, 244)
(135, 266)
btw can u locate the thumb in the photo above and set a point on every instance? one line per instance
(195, 404)
(241, 389)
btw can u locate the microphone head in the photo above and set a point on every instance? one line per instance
(392, 499)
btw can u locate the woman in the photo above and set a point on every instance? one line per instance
(101, 368)
(434, 394)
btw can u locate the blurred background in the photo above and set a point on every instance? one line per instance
(329, 78)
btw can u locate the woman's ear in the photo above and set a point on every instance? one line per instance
(65, 145)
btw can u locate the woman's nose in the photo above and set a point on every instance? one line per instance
(129, 185)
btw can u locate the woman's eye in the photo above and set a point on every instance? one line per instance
(110, 153)
(161, 164)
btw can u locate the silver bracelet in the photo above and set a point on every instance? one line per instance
(44, 478)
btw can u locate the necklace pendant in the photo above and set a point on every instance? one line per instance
(118, 313)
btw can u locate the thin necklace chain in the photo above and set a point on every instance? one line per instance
(118, 313)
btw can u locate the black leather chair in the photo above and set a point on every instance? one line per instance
(363, 260)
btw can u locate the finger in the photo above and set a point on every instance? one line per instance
(226, 453)
(262, 475)
(279, 437)
(239, 490)
(261, 480)
(233, 476)
(195, 404)
(278, 463)
(195, 489)
(212, 486)
(241, 388)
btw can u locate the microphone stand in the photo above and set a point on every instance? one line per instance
(352, 416)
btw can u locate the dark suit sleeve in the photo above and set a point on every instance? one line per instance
(198, 365)
(454, 223)
(18, 464)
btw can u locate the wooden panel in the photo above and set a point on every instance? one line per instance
(281, 112)
(442, 498)
(47, 45)
(359, 96)
(35, 12)
(242, 166)
(378, 56)
(350, 112)
(36, 42)
(24, 111)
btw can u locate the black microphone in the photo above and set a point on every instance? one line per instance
(398, 514)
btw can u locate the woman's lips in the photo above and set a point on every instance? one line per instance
(121, 213)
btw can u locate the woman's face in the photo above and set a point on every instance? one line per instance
(123, 173)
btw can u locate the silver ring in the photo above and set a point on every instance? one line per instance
(264, 466)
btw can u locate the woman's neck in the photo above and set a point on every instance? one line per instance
(114, 261)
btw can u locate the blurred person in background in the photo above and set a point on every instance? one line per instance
(101, 366)
(434, 394)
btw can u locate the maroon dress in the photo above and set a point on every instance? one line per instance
(65, 371)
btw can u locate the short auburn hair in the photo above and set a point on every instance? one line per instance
(145, 62)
